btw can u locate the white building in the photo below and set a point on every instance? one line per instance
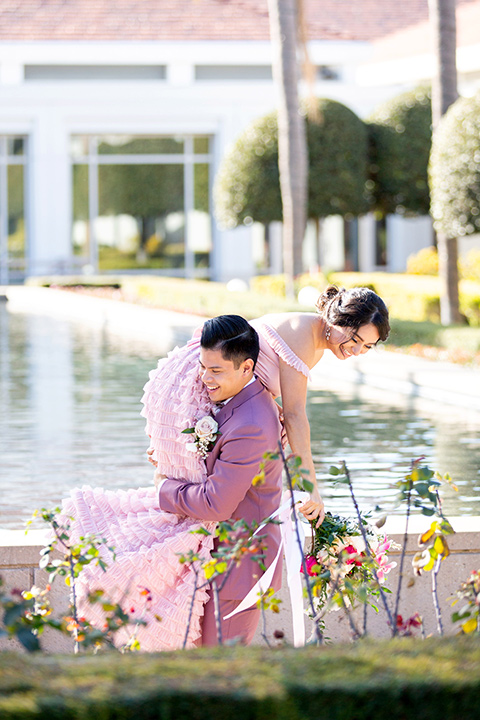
(114, 118)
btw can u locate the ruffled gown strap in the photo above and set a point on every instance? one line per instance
(280, 347)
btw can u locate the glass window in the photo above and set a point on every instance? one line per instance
(13, 230)
(121, 145)
(201, 145)
(130, 213)
(233, 72)
(16, 217)
(141, 219)
(200, 224)
(81, 225)
(15, 146)
(94, 72)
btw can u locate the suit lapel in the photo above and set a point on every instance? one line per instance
(243, 396)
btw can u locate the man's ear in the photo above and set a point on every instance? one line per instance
(248, 366)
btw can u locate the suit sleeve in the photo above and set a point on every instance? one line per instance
(219, 496)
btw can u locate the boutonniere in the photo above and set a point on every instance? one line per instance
(204, 434)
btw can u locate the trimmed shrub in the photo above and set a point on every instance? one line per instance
(455, 170)
(400, 140)
(425, 262)
(247, 187)
(469, 265)
(413, 297)
(389, 680)
(338, 162)
(275, 284)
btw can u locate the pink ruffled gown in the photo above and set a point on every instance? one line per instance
(147, 541)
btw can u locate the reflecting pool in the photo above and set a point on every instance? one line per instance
(70, 415)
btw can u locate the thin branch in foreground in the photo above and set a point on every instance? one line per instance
(393, 623)
(318, 632)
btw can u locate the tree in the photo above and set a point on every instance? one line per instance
(444, 93)
(247, 186)
(455, 170)
(400, 138)
(292, 143)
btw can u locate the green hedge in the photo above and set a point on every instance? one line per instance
(410, 299)
(414, 297)
(384, 680)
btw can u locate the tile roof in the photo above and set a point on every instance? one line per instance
(140, 20)
(418, 39)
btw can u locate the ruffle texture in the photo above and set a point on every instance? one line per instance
(174, 399)
(147, 541)
(147, 544)
(281, 349)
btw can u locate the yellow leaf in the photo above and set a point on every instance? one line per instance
(438, 545)
(258, 479)
(470, 625)
(428, 534)
(221, 567)
(430, 564)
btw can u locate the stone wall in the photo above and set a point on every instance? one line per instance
(19, 556)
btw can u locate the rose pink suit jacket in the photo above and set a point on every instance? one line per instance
(249, 427)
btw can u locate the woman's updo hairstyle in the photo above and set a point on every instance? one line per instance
(354, 308)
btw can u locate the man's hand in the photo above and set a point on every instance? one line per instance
(314, 508)
(157, 478)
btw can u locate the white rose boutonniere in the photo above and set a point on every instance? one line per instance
(204, 434)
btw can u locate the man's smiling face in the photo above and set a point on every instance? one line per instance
(220, 376)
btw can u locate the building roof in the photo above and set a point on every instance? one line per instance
(418, 39)
(182, 20)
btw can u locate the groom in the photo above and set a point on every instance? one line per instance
(249, 426)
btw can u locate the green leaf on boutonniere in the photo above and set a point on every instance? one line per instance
(189, 431)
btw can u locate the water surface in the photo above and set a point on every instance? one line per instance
(70, 415)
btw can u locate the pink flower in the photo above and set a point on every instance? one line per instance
(384, 567)
(310, 561)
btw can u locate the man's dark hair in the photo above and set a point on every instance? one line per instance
(233, 336)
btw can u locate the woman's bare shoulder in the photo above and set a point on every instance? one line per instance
(298, 330)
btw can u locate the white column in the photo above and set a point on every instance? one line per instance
(366, 243)
(50, 192)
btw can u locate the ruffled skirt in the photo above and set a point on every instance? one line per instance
(146, 577)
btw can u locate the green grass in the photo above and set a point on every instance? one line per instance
(385, 680)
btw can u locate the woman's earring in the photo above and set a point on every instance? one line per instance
(327, 333)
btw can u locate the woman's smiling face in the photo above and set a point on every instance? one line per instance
(344, 344)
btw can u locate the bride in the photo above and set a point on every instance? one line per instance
(148, 541)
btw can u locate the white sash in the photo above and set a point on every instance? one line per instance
(293, 561)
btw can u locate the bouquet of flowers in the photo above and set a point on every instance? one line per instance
(341, 568)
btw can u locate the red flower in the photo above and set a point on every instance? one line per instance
(352, 550)
(310, 561)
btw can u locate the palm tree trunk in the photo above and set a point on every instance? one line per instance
(292, 142)
(444, 93)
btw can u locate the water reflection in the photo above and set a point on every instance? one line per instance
(70, 399)
(70, 412)
(378, 443)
